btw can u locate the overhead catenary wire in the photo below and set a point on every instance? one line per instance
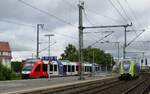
(124, 19)
(124, 13)
(100, 39)
(123, 10)
(16, 23)
(85, 15)
(133, 13)
(88, 20)
(70, 4)
(47, 13)
(135, 17)
(107, 17)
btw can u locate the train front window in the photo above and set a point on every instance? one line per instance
(27, 67)
(126, 67)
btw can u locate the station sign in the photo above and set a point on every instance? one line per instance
(49, 58)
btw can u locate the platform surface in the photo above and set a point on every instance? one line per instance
(28, 84)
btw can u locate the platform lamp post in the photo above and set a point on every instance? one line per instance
(48, 68)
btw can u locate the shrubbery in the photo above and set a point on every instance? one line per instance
(7, 74)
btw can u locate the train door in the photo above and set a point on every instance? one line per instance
(44, 70)
(60, 68)
(73, 69)
(37, 71)
(64, 70)
(51, 69)
(78, 68)
(55, 71)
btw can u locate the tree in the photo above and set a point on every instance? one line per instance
(16, 66)
(7, 74)
(70, 53)
(90, 55)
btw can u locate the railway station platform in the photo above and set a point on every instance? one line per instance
(17, 86)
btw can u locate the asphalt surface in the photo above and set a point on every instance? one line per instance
(17, 85)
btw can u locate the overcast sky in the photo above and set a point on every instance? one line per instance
(18, 22)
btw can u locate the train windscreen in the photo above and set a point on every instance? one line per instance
(27, 67)
(126, 66)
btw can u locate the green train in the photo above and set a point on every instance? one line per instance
(128, 69)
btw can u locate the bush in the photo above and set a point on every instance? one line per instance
(7, 74)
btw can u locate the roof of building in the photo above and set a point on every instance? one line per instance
(4, 46)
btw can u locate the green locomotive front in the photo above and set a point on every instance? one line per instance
(129, 69)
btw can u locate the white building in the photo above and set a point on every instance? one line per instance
(5, 54)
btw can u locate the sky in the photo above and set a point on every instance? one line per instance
(19, 18)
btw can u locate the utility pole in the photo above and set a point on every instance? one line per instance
(125, 43)
(118, 51)
(37, 50)
(38, 29)
(48, 68)
(81, 7)
(93, 68)
(142, 60)
(81, 28)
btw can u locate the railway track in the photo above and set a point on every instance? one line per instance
(82, 88)
(136, 86)
(106, 86)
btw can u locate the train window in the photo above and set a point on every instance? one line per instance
(55, 67)
(27, 67)
(69, 68)
(90, 69)
(45, 67)
(72, 68)
(37, 68)
(77, 68)
(85, 69)
(64, 68)
(51, 67)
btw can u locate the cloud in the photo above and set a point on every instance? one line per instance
(22, 37)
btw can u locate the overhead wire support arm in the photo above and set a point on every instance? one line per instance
(108, 26)
(100, 39)
(135, 38)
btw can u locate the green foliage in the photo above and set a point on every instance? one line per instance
(100, 57)
(7, 74)
(70, 54)
(16, 66)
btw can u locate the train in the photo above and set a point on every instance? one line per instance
(128, 69)
(38, 68)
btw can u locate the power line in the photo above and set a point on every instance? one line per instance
(45, 12)
(133, 13)
(115, 20)
(69, 4)
(117, 11)
(90, 24)
(100, 39)
(123, 10)
(88, 20)
(126, 16)
(12, 22)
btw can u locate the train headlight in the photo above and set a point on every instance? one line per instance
(26, 72)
